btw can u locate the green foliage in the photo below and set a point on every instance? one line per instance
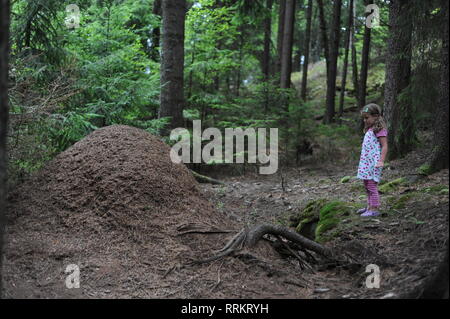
(69, 128)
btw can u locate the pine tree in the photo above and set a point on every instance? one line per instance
(398, 77)
(172, 61)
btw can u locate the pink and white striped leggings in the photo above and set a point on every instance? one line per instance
(373, 198)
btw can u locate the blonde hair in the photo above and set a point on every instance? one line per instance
(375, 110)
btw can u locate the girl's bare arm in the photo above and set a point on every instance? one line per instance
(384, 150)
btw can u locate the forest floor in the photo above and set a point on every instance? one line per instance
(87, 211)
(406, 242)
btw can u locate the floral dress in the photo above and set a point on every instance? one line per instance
(370, 155)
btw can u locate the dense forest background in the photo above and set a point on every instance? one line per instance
(297, 65)
(306, 67)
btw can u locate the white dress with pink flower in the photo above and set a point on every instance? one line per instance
(370, 155)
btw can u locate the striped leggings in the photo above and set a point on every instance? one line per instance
(373, 198)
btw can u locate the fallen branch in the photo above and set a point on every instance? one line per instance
(205, 179)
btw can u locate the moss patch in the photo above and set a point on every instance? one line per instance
(425, 169)
(391, 186)
(345, 179)
(330, 216)
(400, 202)
(320, 220)
(307, 216)
(437, 189)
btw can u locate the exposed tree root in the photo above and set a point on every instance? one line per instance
(247, 238)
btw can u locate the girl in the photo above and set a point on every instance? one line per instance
(373, 154)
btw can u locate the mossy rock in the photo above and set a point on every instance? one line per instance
(425, 169)
(330, 217)
(388, 187)
(320, 219)
(308, 216)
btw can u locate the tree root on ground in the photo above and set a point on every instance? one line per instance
(247, 238)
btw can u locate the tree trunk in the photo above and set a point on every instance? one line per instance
(355, 77)
(286, 61)
(281, 23)
(364, 64)
(267, 37)
(4, 113)
(323, 32)
(266, 53)
(333, 56)
(172, 61)
(156, 33)
(347, 49)
(439, 157)
(398, 74)
(307, 46)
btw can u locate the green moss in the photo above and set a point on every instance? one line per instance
(309, 213)
(437, 189)
(425, 169)
(400, 202)
(330, 216)
(345, 179)
(391, 186)
(321, 219)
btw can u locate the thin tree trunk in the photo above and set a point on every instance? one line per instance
(191, 72)
(266, 53)
(286, 61)
(238, 77)
(156, 33)
(364, 64)
(333, 56)
(172, 62)
(307, 46)
(398, 74)
(355, 77)
(323, 32)
(267, 37)
(4, 114)
(347, 49)
(281, 20)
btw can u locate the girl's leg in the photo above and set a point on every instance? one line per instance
(363, 210)
(366, 185)
(374, 197)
